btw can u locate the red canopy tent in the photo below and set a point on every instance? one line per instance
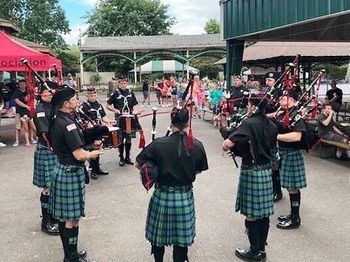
(11, 53)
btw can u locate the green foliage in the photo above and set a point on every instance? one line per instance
(95, 79)
(70, 58)
(41, 21)
(129, 17)
(333, 70)
(207, 67)
(212, 26)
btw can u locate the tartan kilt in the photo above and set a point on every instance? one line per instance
(44, 165)
(171, 218)
(255, 192)
(292, 169)
(67, 196)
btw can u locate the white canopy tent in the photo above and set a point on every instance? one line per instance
(165, 66)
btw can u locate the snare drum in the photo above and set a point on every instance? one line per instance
(112, 140)
(128, 124)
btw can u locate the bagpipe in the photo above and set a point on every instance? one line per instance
(92, 131)
(149, 170)
(287, 118)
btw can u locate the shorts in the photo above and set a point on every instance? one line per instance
(18, 121)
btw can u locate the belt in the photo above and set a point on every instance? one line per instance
(255, 167)
(65, 161)
(165, 188)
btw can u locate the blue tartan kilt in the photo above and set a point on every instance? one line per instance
(67, 197)
(255, 192)
(171, 218)
(292, 171)
(44, 165)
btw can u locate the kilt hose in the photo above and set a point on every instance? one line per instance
(67, 198)
(292, 170)
(255, 192)
(171, 218)
(44, 165)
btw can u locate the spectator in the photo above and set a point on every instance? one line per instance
(22, 114)
(145, 91)
(70, 82)
(328, 130)
(334, 96)
(2, 103)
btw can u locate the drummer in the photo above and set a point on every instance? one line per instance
(94, 110)
(122, 103)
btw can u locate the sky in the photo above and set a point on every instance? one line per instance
(191, 15)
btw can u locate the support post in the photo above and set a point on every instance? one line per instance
(81, 71)
(135, 70)
(234, 59)
(188, 64)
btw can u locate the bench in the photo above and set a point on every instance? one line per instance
(332, 145)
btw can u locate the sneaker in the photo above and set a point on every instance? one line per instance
(338, 153)
(16, 144)
(33, 141)
(27, 144)
(2, 144)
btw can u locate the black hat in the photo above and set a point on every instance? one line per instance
(122, 77)
(64, 94)
(273, 75)
(179, 117)
(258, 101)
(91, 89)
(293, 94)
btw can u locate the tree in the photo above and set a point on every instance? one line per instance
(207, 67)
(70, 58)
(128, 18)
(41, 21)
(212, 26)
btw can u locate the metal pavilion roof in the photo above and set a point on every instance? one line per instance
(311, 51)
(150, 43)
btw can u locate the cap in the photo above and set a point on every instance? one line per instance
(273, 75)
(64, 94)
(91, 90)
(122, 77)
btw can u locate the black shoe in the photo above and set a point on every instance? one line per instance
(247, 255)
(263, 255)
(128, 161)
(93, 175)
(102, 172)
(283, 218)
(50, 229)
(81, 255)
(277, 197)
(292, 223)
(121, 162)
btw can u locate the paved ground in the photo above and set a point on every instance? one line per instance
(113, 229)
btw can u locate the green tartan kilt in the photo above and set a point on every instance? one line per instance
(67, 197)
(44, 165)
(255, 192)
(171, 218)
(275, 164)
(292, 170)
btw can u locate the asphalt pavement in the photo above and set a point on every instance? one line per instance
(113, 229)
